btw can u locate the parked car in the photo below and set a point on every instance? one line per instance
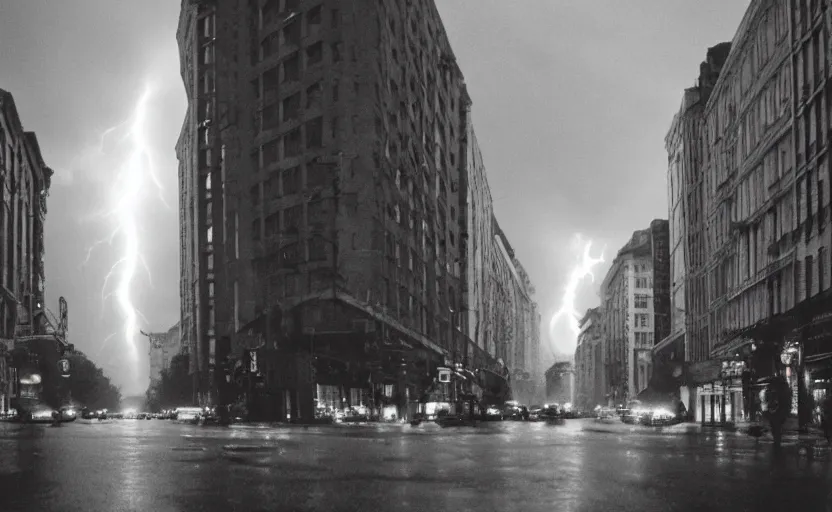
(535, 412)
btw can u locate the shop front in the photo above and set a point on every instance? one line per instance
(723, 402)
(817, 361)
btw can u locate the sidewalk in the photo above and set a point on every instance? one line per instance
(790, 432)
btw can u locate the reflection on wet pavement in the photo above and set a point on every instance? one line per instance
(161, 466)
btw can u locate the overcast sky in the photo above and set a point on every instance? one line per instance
(572, 100)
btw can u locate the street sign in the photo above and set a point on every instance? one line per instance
(253, 361)
(63, 366)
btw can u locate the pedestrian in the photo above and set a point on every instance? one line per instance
(778, 399)
(826, 417)
(681, 411)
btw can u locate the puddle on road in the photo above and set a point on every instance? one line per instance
(237, 448)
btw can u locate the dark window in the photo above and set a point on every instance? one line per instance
(271, 119)
(291, 69)
(333, 125)
(292, 218)
(291, 32)
(315, 133)
(291, 107)
(291, 181)
(336, 52)
(336, 18)
(314, 15)
(313, 95)
(271, 153)
(271, 80)
(255, 229)
(314, 54)
(317, 249)
(292, 143)
(290, 255)
(272, 224)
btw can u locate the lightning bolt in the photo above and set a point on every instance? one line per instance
(568, 312)
(134, 173)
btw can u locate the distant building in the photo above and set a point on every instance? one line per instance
(635, 295)
(560, 383)
(164, 347)
(589, 361)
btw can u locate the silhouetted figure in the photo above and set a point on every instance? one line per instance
(779, 400)
(681, 411)
(826, 418)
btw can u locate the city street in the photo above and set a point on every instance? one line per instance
(160, 466)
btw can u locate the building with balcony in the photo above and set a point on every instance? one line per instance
(324, 215)
(24, 187)
(635, 300)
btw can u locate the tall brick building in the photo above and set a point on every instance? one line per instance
(763, 300)
(24, 187)
(323, 164)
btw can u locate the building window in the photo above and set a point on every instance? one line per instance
(336, 17)
(314, 54)
(641, 282)
(291, 107)
(210, 290)
(315, 133)
(822, 271)
(292, 32)
(313, 95)
(292, 218)
(641, 301)
(333, 126)
(809, 277)
(313, 17)
(210, 262)
(291, 69)
(317, 249)
(209, 236)
(292, 144)
(255, 230)
(291, 181)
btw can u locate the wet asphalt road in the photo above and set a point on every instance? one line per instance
(160, 466)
